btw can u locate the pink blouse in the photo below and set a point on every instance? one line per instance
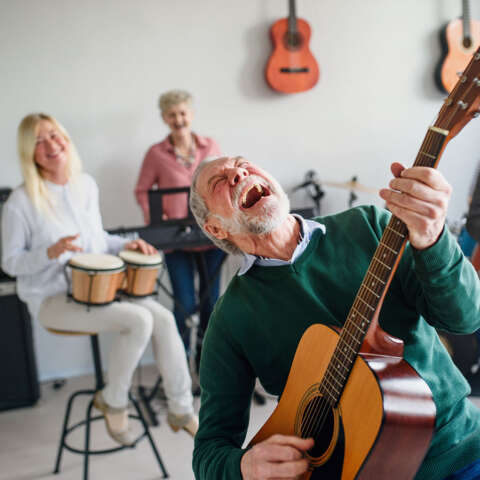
(161, 168)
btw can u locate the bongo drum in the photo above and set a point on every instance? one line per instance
(96, 277)
(142, 272)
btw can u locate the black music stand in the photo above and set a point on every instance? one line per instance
(186, 225)
(155, 203)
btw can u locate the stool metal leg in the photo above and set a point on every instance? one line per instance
(150, 439)
(64, 429)
(87, 440)
(62, 438)
(86, 452)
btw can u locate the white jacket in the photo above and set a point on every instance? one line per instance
(27, 234)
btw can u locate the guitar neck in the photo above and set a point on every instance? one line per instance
(375, 283)
(292, 17)
(466, 18)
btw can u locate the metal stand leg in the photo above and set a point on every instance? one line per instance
(97, 361)
(146, 399)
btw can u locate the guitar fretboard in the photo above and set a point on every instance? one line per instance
(375, 282)
(466, 19)
(292, 17)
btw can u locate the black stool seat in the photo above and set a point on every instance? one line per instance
(89, 418)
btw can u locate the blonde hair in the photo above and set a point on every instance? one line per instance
(174, 97)
(34, 183)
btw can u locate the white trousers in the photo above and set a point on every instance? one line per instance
(135, 321)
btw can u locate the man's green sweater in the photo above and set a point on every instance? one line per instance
(257, 324)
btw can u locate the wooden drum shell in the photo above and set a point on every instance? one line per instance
(140, 281)
(141, 274)
(95, 287)
(95, 277)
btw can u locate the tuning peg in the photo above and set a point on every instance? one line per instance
(476, 81)
(476, 114)
(462, 105)
(477, 56)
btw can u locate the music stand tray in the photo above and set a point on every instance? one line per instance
(155, 202)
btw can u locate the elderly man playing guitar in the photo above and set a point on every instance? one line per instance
(299, 273)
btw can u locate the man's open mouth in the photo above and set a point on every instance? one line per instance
(253, 194)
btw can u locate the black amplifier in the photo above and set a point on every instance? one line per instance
(18, 370)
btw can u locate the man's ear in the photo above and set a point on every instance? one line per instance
(214, 228)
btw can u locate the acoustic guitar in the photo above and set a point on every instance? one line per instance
(291, 68)
(369, 412)
(459, 39)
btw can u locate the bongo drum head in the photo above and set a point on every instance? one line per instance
(132, 257)
(101, 262)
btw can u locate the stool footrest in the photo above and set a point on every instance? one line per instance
(102, 451)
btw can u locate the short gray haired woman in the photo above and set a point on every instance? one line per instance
(169, 164)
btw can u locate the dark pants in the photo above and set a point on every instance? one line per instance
(181, 267)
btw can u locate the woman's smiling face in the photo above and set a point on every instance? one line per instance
(51, 148)
(179, 117)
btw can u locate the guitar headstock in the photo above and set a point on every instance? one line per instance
(463, 103)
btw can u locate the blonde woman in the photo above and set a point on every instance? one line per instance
(54, 214)
(168, 164)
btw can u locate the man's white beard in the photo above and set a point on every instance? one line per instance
(266, 219)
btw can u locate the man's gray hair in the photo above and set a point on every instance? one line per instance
(201, 212)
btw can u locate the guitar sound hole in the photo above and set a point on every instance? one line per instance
(293, 40)
(318, 423)
(467, 42)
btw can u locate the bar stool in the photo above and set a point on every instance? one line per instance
(99, 384)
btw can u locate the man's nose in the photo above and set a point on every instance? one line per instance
(236, 175)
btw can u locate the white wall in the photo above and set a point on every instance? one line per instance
(99, 66)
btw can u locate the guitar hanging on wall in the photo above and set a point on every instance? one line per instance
(459, 40)
(291, 68)
(371, 415)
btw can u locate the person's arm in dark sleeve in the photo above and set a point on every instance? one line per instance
(227, 383)
(445, 286)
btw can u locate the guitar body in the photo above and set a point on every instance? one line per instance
(456, 52)
(382, 426)
(291, 68)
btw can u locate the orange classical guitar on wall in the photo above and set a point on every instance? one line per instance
(371, 415)
(291, 68)
(459, 40)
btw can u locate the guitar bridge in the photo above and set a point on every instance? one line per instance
(295, 70)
